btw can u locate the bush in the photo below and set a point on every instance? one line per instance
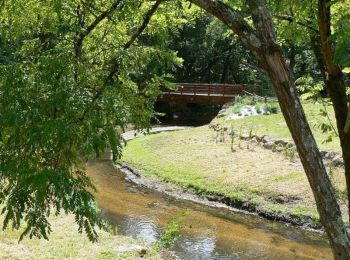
(271, 107)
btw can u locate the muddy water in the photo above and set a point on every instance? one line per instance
(208, 233)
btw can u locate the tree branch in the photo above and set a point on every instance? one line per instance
(147, 19)
(233, 20)
(144, 24)
(324, 17)
(291, 19)
(81, 36)
(115, 66)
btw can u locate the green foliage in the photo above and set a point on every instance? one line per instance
(341, 32)
(211, 52)
(311, 91)
(172, 231)
(309, 88)
(64, 89)
(290, 153)
(262, 107)
(69, 78)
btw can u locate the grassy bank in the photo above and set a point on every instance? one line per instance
(274, 125)
(66, 243)
(247, 175)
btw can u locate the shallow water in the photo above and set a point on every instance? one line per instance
(208, 233)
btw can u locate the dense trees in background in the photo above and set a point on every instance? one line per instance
(211, 53)
(73, 71)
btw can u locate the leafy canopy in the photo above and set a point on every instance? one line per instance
(67, 81)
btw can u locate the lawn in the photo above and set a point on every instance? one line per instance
(274, 125)
(66, 243)
(270, 181)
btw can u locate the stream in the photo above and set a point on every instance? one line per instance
(207, 233)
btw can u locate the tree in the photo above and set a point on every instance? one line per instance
(331, 51)
(211, 53)
(334, 77)
(261, 39)
(70, 73)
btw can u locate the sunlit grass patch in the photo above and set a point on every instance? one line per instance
(66, 243)
(194, 159)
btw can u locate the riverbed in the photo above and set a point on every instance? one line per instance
(207, 233)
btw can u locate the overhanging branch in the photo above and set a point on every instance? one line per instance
(233, 20)
(292, 19)
(81, 36)
(115, 66)
(146, 20)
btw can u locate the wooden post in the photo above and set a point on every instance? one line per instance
(224, 93)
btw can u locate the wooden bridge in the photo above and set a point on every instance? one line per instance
(206, 93)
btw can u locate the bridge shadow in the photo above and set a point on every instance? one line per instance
(185, 114)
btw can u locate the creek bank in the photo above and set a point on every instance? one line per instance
(215, 200)
(229, 113)
(257, 173)
(275, 144)
(67, 243)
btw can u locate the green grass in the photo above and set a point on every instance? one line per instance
(275, 126)
(193, 159)
(66, 243)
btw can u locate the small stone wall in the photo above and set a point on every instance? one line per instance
(276, 145)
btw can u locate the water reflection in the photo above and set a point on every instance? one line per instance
(209, 233)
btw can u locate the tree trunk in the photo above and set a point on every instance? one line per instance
(262, 41)
(315, 42)
(335, 85)
(326, 202)
(225, 67)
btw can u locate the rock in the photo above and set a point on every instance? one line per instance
(337, 161)
(279, 148)
(254, 139)
(290, 145)
(330, 155)
(266, 139)
(244, 137)
(225, 106)
(221, 115)
(268, 145)
(222, 111)
(259, 138)
(323, 154)
(281, 142)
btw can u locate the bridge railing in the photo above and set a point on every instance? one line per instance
(207, 93)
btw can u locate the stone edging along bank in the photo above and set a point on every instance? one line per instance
(211, 199)
(278, 145)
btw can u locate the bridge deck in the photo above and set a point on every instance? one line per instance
(206, 93)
